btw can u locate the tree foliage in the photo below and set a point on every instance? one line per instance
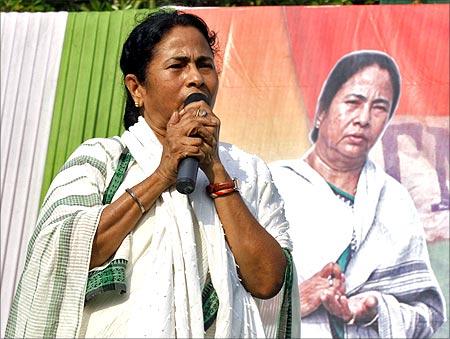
(111, 5)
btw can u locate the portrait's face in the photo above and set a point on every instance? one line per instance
(357, 115)
(182, 64)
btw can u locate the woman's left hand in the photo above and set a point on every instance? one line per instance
(202, 127)
(356, 309)
(364, 308)
(336, 303)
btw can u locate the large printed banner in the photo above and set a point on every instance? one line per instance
(60, 85)
(274, 64)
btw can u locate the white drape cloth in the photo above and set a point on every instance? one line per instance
(161, 266)
(164, 298)
(391, 259)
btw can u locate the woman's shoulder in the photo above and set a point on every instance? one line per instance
(100, 148)
(393, 192)
(286, 166)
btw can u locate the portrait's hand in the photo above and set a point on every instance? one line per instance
(353, 310)
(364, 308)
(329, 279)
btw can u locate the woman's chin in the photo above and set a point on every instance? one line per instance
(355, 152)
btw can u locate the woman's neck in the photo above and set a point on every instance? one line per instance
(339, 174)
(158, 128)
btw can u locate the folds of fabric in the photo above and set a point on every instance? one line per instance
(391, 258)
(50, 296)
(160, 254)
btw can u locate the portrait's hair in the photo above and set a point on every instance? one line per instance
(345, 68)
(139, 48)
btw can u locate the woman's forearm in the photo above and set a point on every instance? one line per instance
(260, 258)
(121, 216)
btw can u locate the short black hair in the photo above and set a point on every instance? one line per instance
(345, 68)
(139, 48)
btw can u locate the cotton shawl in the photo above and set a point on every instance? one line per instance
(50, 297)
(391, 258)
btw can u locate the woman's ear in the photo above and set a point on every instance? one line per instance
(319, 119)
(135, 88)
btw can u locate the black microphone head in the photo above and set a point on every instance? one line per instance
(196, 97)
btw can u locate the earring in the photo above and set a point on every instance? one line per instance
(317, 125)
(136, 104)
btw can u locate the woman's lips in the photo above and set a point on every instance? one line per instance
(357, 138)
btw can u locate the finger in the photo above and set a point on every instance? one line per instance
(343, 301)
(344, 311)
(207, 136)
(192, 151)
(191, 141)
(189, 126)
(174, 118)
(331, 269)
(331, 302)
(336, 270)
(371, 302)
(339, 284)
(369, 308)
(197, 109)
(328, 297)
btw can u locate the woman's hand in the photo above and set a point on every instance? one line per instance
(353, 310)
(191, 132)
(364, 308)
(329, 281)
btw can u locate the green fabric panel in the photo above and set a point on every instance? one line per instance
(90, 94)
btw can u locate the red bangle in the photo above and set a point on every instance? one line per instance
(222, 193)
(223, 188)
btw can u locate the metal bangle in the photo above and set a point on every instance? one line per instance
(136, 200)
(372, 321)
(352, 320)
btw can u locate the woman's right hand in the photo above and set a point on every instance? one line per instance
(188, 135)
(173, 151)
(329, 279)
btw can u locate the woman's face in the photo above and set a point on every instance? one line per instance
(182, 64)
(357, 116)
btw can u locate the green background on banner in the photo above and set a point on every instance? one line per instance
(89, 98)
(439, 252)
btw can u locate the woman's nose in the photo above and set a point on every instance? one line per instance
(194, 78)
(363, 115)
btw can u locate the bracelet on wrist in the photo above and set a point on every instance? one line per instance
(370, 323)
(136, 200)
(352, 320)
(223, 188)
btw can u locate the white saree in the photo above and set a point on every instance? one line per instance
(391, 258)
(164, 275)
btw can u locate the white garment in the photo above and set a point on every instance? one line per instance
(164, 298)
(391, 259)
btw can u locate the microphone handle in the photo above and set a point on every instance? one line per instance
(187, 175)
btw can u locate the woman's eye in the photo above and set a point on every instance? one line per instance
(206, 65)
(381, 108)
(351, 102)
(176, 66)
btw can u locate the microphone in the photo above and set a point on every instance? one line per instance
(188, 167)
